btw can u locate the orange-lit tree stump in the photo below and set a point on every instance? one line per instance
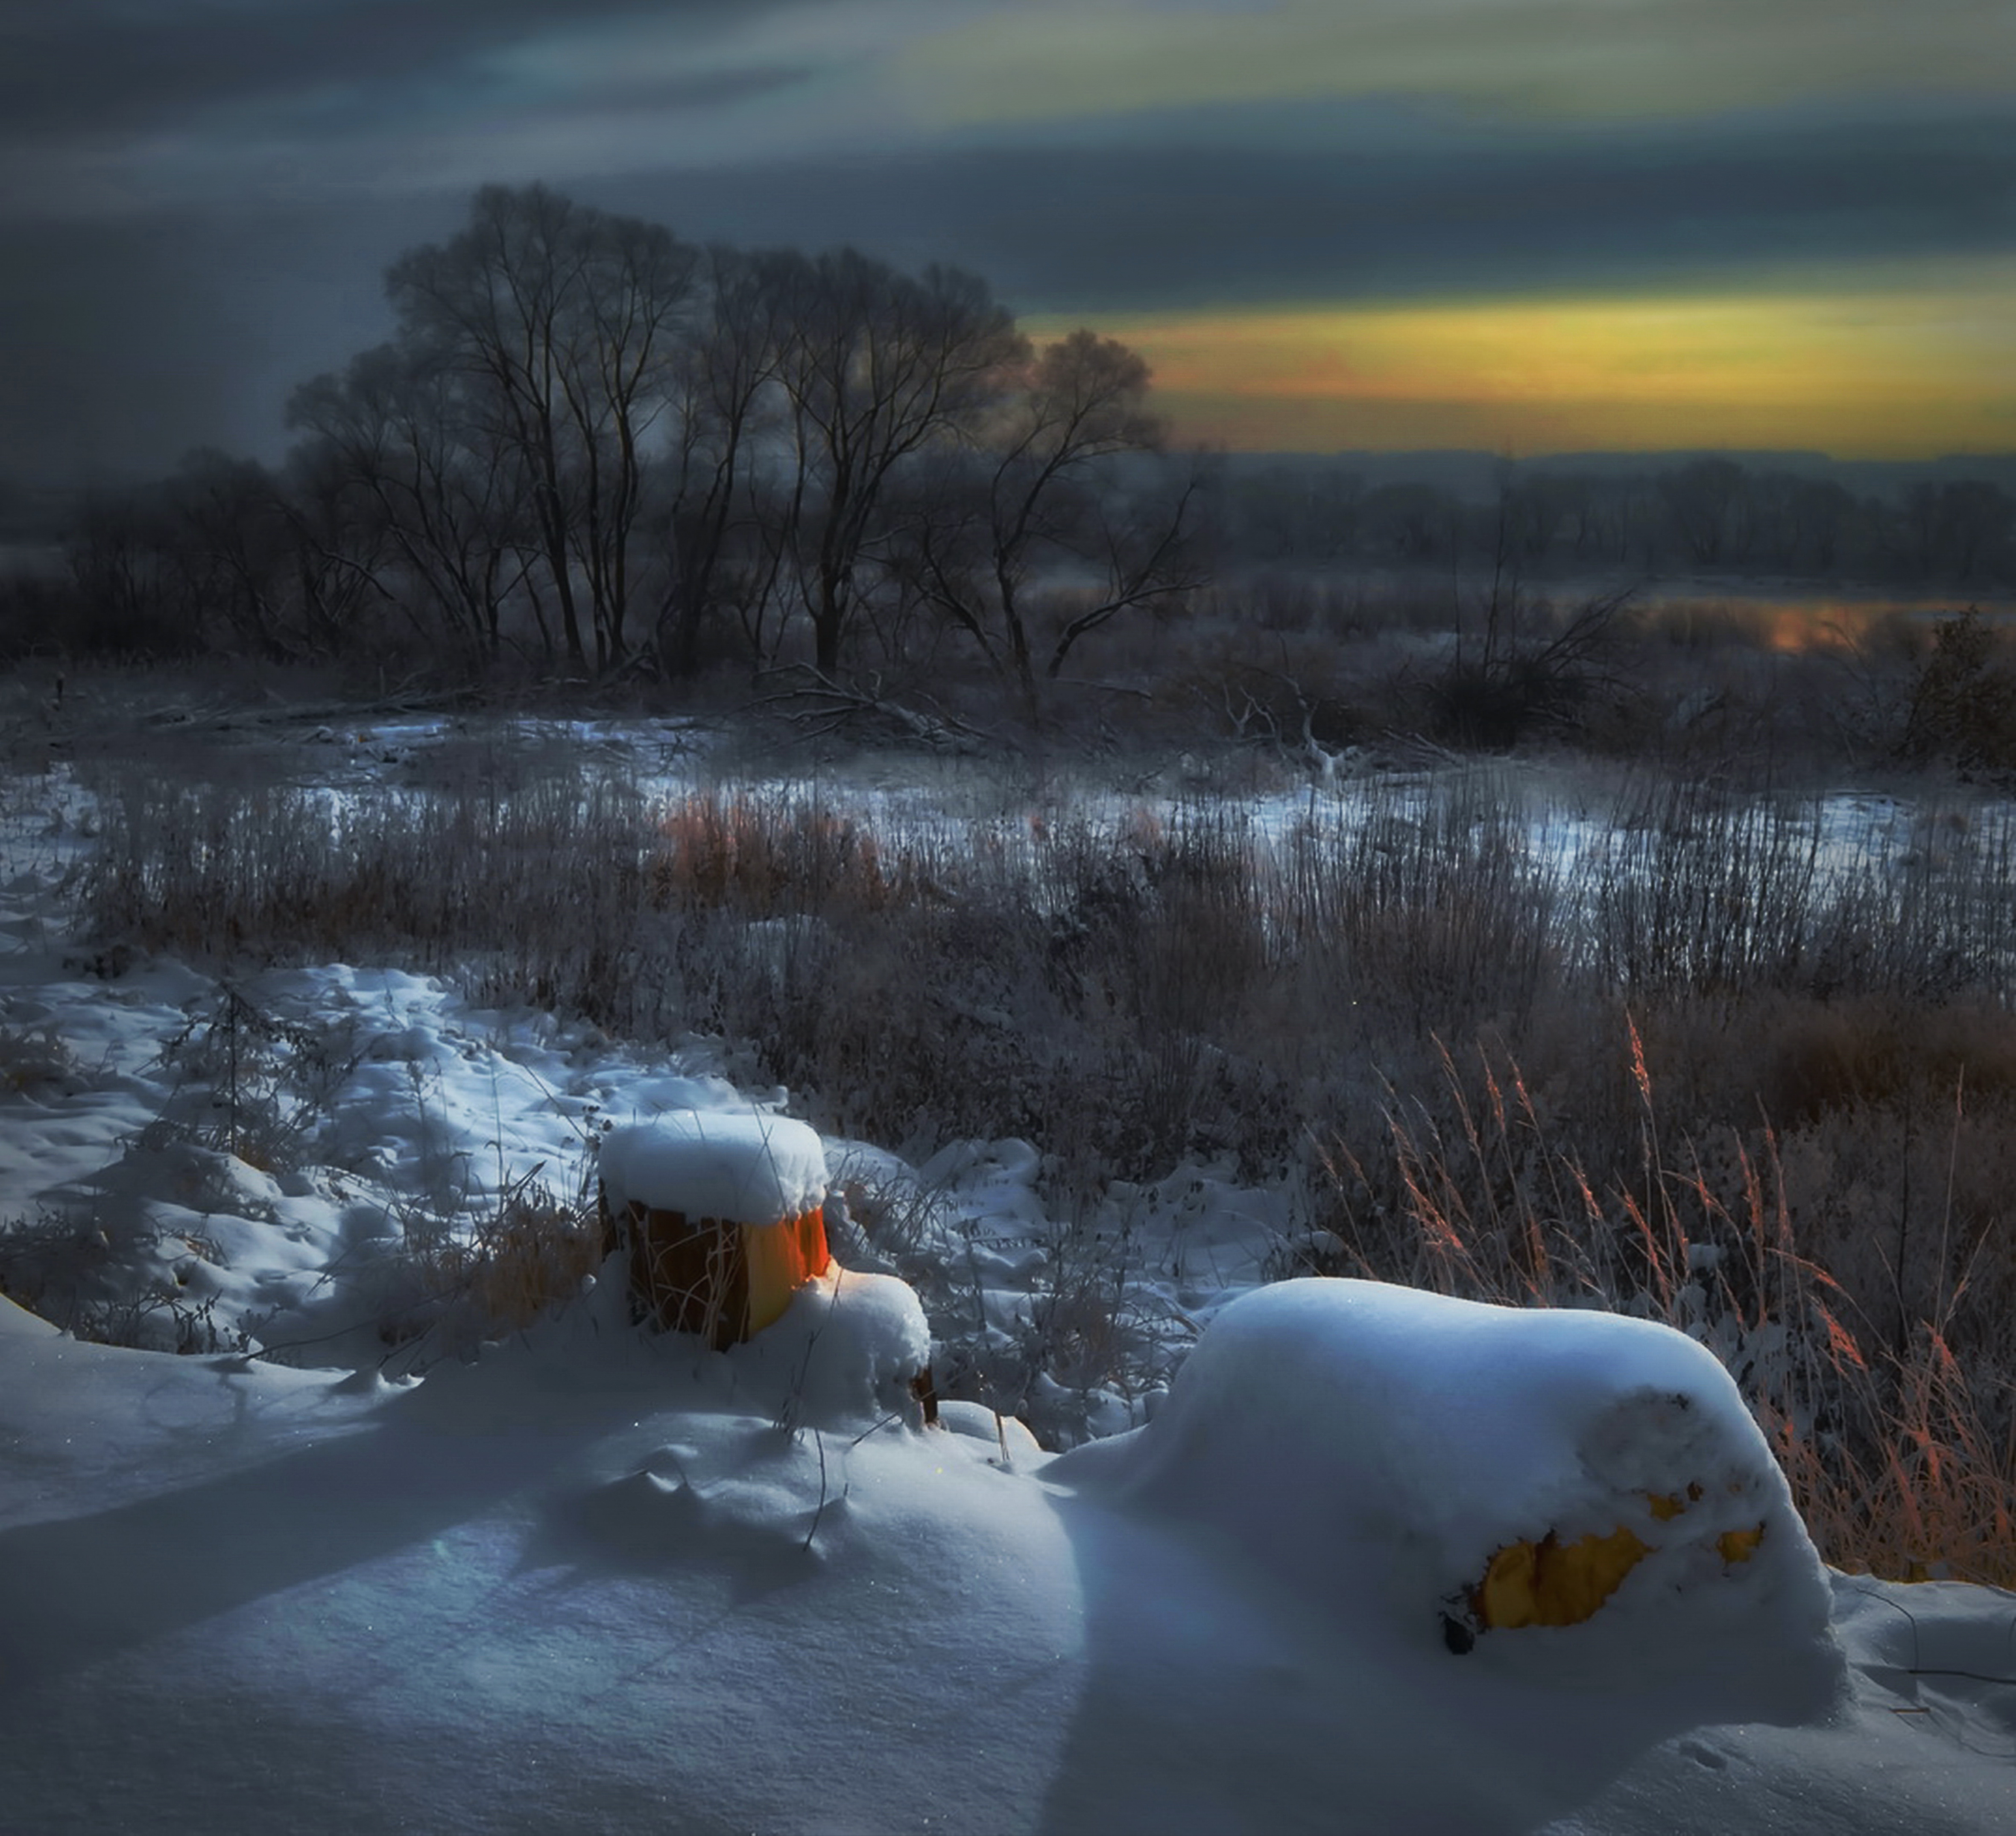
(720, 1213)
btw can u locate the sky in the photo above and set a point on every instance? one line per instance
(1523, 226)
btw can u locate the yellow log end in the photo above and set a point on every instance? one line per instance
(1554, 1583)
(1738, 1546)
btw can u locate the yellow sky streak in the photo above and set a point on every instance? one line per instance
(1889, 373)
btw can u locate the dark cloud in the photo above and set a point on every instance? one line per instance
(128, 342)
(74, 70)
(130, 339)
(1388, 204)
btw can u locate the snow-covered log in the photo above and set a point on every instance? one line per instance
(1582, 1493)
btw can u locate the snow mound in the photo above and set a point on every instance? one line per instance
(1373, 1450)
(18, 1322)
(1015, 1446)
(845, 1354)
(745, 1167)
(751, 1494)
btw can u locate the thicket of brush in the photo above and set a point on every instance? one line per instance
(1677, 1052)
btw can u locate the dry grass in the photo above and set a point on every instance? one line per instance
(1888, 1398)
(1730, 1075)
(763, 856)
(539, 885)
(522, 1258)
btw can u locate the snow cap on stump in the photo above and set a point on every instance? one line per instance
(722, 1213)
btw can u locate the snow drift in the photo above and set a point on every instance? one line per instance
(1371, 1449)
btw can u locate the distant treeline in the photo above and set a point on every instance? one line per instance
(599, 449)
(1702, 515)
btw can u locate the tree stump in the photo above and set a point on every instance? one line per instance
(721, 1215)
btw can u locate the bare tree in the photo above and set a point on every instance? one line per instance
(447, 497)
(1147, 552)
(1030, 493)
(721, 380)
(878, 369)
(582, 416)
(115, 552)
(569, 319)
(1703, 498)
(230, 546)
(641, 294)
(1973, 518)
(338, 547)
(1412, 521)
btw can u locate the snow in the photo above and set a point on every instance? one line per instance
(589, 1583)
(1367, 1448)
(748, 1168)
(846, 1350)
(354, 1566)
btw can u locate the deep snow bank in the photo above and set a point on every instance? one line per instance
(1371, 1448)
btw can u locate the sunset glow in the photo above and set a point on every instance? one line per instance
(1517, 226)
(1891, 372)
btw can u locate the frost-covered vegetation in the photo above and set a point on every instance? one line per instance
(1736, 1060)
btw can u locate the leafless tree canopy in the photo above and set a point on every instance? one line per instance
(598, 445)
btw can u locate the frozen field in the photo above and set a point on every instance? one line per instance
(339, 1554)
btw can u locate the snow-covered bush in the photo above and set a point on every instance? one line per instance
(145, 1285)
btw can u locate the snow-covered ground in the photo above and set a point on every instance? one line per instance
(576, 1578)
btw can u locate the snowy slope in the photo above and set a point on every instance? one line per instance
(587, 1584)
(583, 1580)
